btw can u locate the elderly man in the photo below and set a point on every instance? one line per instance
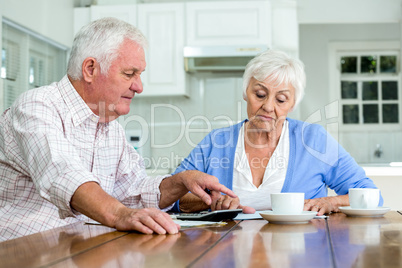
(64, 158)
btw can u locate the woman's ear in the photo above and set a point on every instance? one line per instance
(89, 69)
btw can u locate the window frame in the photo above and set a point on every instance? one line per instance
(338, 49)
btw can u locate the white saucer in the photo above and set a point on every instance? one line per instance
(304, 217)
(364, 212)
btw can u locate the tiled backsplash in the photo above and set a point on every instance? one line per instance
(173, 126)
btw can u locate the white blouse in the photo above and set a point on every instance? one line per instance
(274, 176)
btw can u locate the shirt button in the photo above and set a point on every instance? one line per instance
(94, 119)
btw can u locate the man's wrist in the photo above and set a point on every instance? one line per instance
(171, 189)
(116, 214)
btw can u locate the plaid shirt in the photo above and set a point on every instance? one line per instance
(50, 144)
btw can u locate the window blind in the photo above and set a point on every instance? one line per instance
(29, 60)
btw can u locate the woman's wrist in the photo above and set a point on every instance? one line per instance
(338, 201)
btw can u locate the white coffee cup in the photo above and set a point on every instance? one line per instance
(364, 198)
(287, 203)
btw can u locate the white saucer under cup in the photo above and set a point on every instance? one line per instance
(364, 198)
(364, 212)
(300, 218)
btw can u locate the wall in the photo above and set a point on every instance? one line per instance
(51, 18)
(346, 11)
(314, 40)
(314, 52)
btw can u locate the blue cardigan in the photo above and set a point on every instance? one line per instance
(316, 161)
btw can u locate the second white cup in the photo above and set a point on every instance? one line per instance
(364, 198)
(287, 203)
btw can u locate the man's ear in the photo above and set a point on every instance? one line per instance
(89, 68)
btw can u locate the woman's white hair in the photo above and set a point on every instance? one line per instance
(101, 39)
(280, 68)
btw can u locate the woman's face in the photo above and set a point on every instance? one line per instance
(268, 104)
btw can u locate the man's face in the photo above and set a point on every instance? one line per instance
(112, 92)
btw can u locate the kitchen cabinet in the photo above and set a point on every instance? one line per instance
(171, 26)
(127, 13)
(163, 26)
(84, 15)
(285, 28)
(228, 22)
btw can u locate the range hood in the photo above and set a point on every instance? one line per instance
(219, 58)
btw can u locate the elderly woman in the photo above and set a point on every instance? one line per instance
(271, 153)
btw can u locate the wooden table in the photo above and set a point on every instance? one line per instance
(338, 241)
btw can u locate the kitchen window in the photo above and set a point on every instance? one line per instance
(369, 87)
(365, 80)
(365, 84)
(28, 60)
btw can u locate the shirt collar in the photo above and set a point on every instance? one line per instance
(79, 110)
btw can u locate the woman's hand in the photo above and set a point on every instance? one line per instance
(326, 205)
(227, 202)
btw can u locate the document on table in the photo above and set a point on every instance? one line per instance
(199, 223)
(243, 216)
(256, 215)
(183, 223)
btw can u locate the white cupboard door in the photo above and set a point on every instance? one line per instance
(162, 25)
(124, 12)
(285, 29)
(228, 22)
(82, 16)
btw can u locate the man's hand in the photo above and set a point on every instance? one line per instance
(91, 200)
(146, 220)
(205, 186)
